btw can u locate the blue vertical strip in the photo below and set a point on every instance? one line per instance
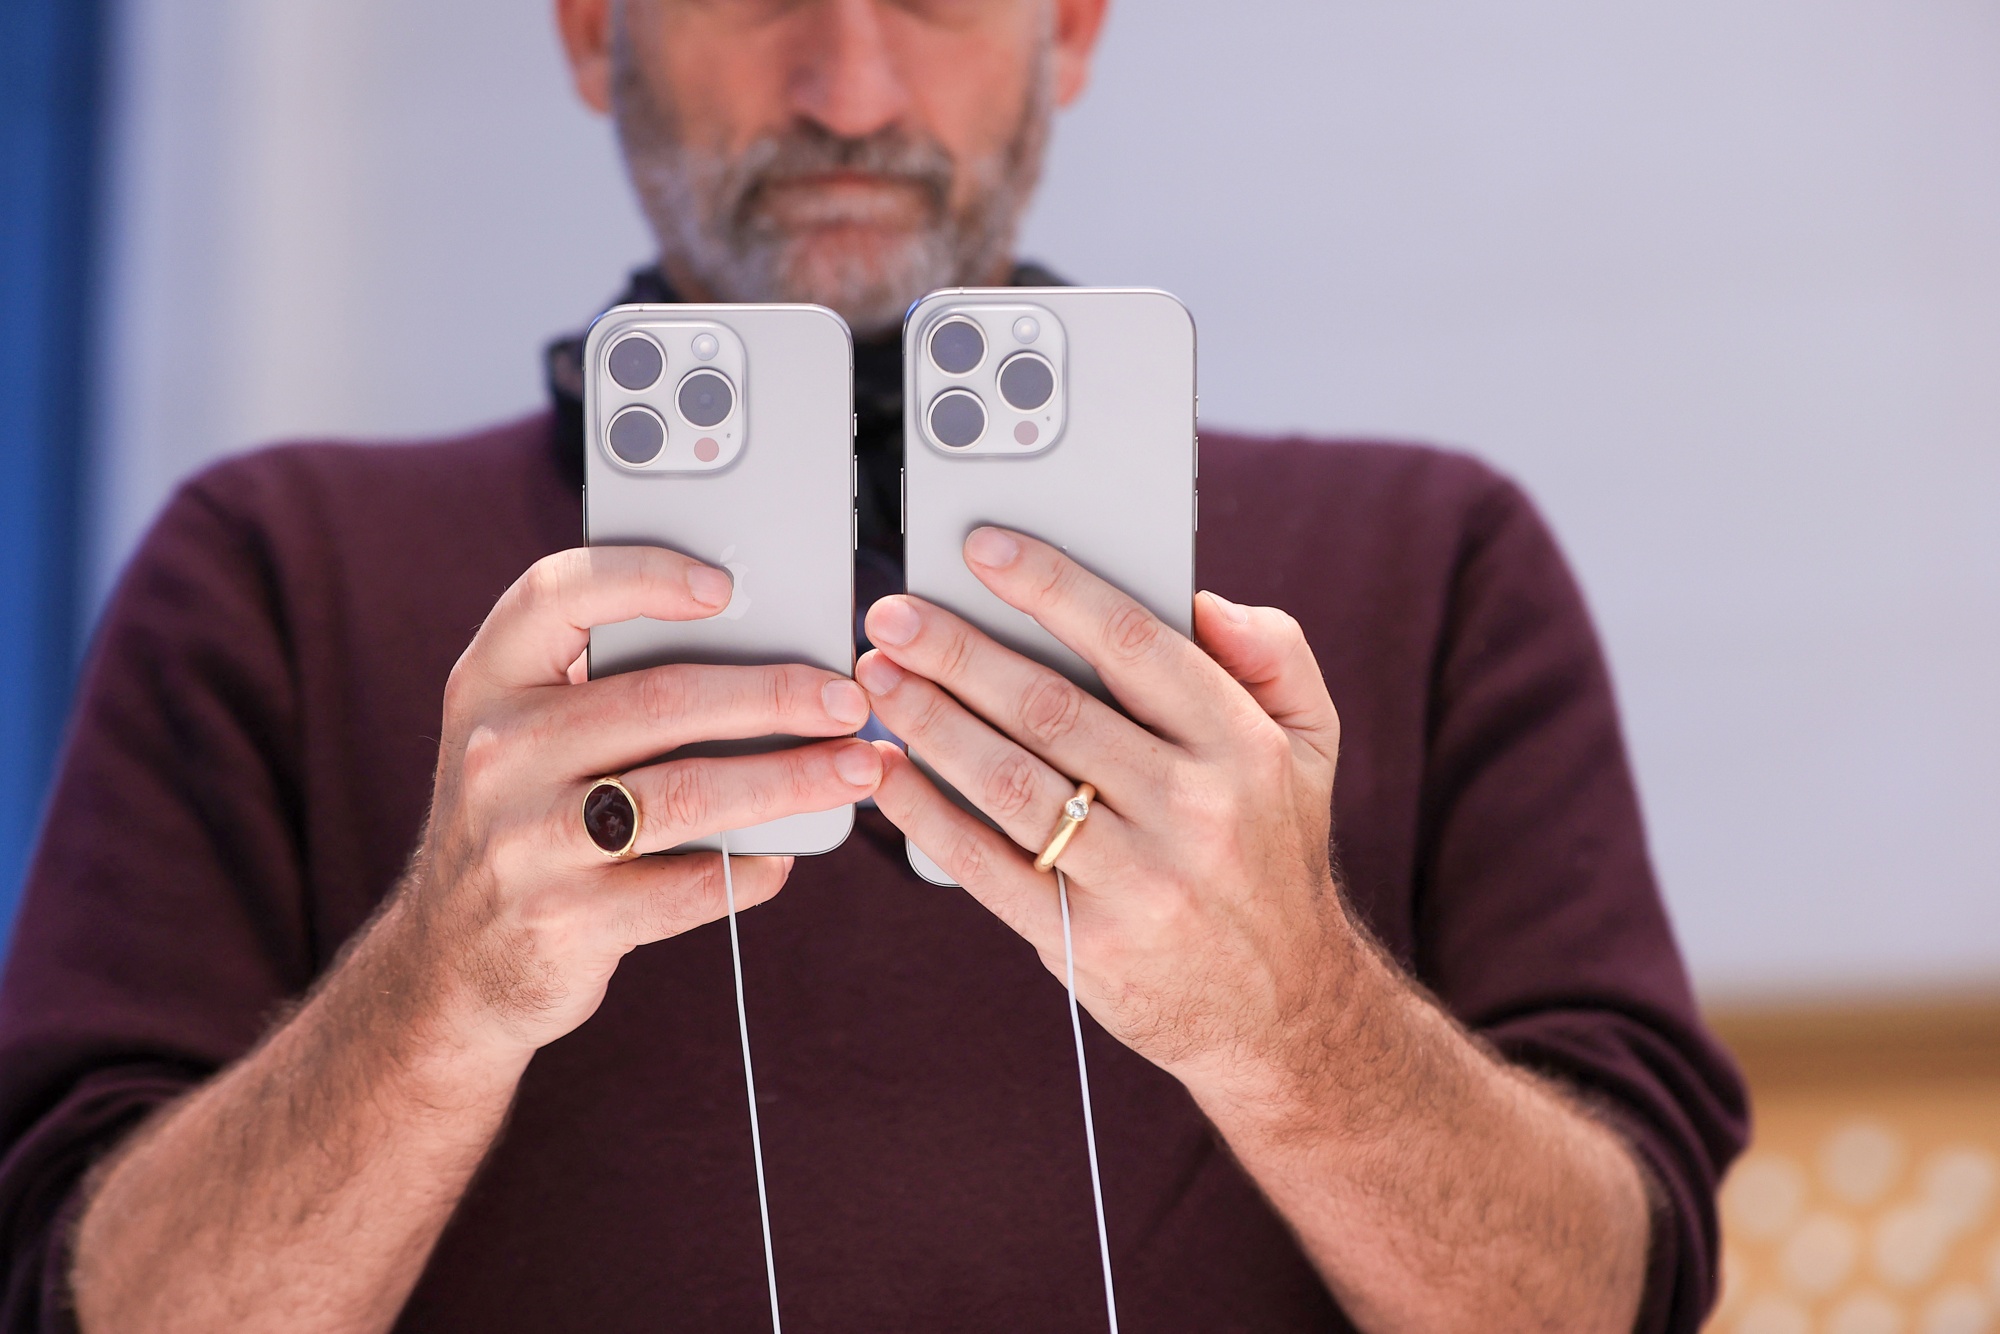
(51, 96)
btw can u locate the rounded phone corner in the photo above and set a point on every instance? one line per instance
(833, 317)
(927, 869)
(846, 830)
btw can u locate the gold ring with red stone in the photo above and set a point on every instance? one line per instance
(611, 819)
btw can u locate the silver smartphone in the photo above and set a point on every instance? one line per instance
(1066, 413)
(726, 433)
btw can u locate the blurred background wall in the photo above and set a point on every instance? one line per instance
(1719, 282)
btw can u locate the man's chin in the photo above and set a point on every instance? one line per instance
(870, 275)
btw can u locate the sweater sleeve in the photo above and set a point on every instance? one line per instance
(164, 918)
(1538, 919)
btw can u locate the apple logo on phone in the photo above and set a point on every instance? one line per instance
(739, 600)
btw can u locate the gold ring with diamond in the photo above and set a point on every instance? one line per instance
(1075, 811)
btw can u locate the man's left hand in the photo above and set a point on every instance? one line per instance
(1209, 935)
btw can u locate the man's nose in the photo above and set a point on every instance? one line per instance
(847, 78)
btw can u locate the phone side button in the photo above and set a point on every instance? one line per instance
(1197, 509)
(903, 501)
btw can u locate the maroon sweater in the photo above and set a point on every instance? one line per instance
(251, 761)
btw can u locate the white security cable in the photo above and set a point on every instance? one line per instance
(750, 1084)
(1089, 1126)
(756, 1133)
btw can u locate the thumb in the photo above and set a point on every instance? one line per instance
(1266, 651)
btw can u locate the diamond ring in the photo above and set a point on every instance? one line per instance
(1075, 811)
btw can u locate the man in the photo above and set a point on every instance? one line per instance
(325, 1015)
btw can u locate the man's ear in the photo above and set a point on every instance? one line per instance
(586, 33)
(1078, 23)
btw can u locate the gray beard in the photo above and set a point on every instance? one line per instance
(706, 206)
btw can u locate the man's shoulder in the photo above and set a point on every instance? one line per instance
(1293, 472)
(435, 521)
(441, 476)
(1350, 503)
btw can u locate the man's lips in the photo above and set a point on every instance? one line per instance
(846, 197)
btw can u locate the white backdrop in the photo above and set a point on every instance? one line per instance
(1720, 282)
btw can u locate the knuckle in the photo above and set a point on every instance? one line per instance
(544, 583)
(930, 715)
(460, 689)
(1055, 581)
(515, 855)
(800, 782)
(685, 796)
(1011, 785)
(706, 881)
(1268, 747)
(790, 688)
(954, 652)
(968, 859)
(485, 751)
(664, 696)
(1051, 710)
(1132, 631)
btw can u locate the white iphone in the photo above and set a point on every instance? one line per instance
(1065, 413)
(726, 433)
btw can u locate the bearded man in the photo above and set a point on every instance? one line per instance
(312, 1023)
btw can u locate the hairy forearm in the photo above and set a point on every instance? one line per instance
(304, 1187)
(1435, 1187)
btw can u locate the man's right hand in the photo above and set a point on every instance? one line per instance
(513, 917)
(303, 1187)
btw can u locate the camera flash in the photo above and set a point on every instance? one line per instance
(1027, 329)
(705, 346)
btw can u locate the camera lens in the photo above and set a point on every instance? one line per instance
(958, 418)
(1027, 382)
(637, 436)
(636, 363)
(706, 398)
(957, 346)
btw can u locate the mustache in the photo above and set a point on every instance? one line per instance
(806, 151)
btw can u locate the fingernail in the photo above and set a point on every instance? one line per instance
(710, 586)
(995, 548)
(892, 621)
(845, 702)
(878, 676)
(1232, 613)
(858, 765)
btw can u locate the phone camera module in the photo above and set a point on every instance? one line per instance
(636, 363)
(706, 398)
(958, 346)
(1027, 382)
(637, 436)
(957, 418)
